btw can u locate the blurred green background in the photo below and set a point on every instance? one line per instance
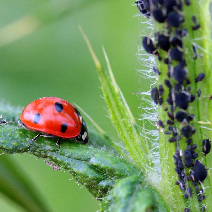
(54, 61)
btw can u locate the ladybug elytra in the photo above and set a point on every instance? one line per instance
(54, 117)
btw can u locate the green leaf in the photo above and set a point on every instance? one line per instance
(15, 184)
(95, 168)
(121, 115)
(128, 196)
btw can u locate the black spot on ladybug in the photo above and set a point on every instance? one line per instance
(155, 95)
(58, 107)
(187, 131)
(206, 146)
(174, 19)
(37, 118)
(196, 27)
(200, 172)
(200, 77)
(182, 100)
(63, 128)
(176, 54)
(158, 15)
(179, 73)
(149, 45)
(163, 42)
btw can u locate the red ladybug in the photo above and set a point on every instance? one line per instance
(54, 117)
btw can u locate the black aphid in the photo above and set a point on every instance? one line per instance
(186, 196)
(177, 87)
(196, 27)
(200, 172)
(190, 117)
(155, 95)
(142, 7)
(186, 210)
(195, 155)
(187, 131)
(200, 77)
(166, 61)
(167, 83)
(169, 122)
(171, 5)
(161, 90)
(206, 146)
(187, 158)
(170, 128)
(180, 116)
(170, 115)
(198, 92)
(201, 198)
(161, 124)
(172, 139)
(194, 19)
(191, 98)
(176, 54)
(160, 102)
(174, 19)
(158, 15)
(189, 191)
(163, 42)
(193, 147)
(189, 141)
(156, 71)
(187, 2)
(179, 73)
(176, 42)
(182, 101)
(167, 133)
(149, 45)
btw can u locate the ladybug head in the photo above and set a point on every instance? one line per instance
(83, 136)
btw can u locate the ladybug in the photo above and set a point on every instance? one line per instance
(54, 117)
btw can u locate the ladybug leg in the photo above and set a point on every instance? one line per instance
(58, 142)
(36, 137)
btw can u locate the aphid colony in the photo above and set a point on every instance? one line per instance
(174, 95)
